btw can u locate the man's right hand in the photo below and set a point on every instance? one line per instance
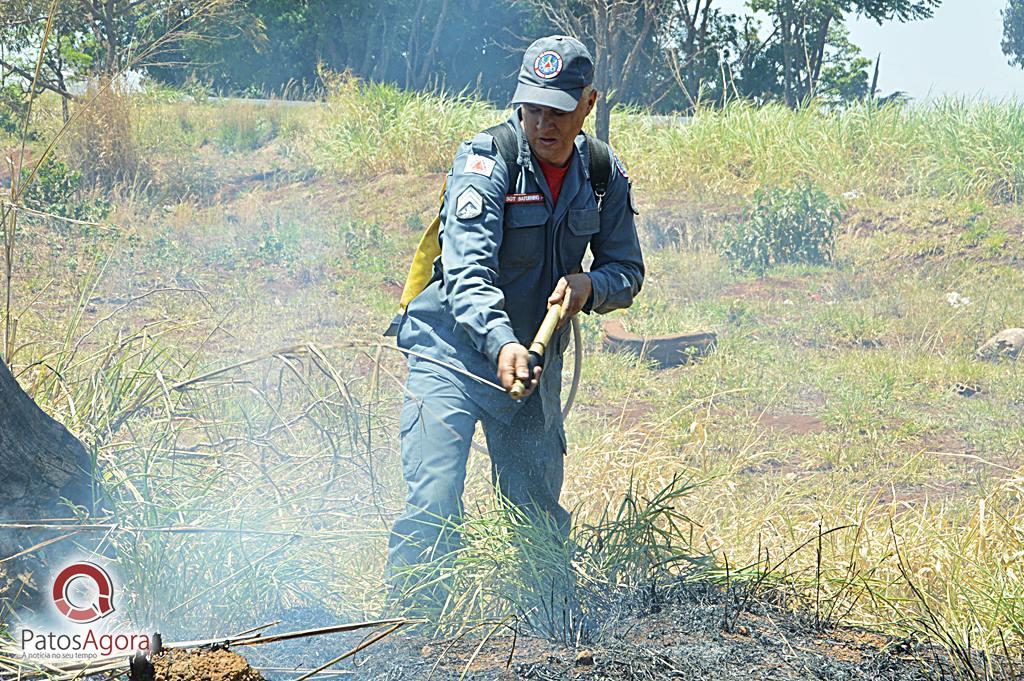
(513, 364)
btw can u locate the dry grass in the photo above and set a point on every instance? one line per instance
(102, 144)
(934, 531)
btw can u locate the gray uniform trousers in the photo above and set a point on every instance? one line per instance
(436, 425)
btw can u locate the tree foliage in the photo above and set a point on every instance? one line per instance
(620, 35)
(269, 44)
(662, 54)
(1013, 32)
(97, 38)
(69, 49)
(803, 28)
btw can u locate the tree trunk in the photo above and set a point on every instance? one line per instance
(110, 62)
(874, 78)
(818, 55)
(696, 44)
(42, 464)
(41, 460)
(603, 80)
(428, 60)
(787, 60)
(383, 63)
(412, 47)
(602, 122)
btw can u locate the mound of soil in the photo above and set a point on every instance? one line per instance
(203, 665)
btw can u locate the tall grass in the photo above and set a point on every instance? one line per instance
(101, 145)
(227, 496)
(512, 567)
(951, 149)
(934, 541)
(372, 128)
(955, 148)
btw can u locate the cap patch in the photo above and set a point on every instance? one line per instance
(481, 165)
(548, 64)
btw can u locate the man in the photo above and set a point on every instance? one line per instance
(513, 236)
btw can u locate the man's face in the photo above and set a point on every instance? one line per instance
(551, 132)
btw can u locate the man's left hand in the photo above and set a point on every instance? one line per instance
(573, 292)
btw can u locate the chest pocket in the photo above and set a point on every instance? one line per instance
(522, 243)
(584, 223)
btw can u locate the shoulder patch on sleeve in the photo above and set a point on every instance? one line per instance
(481, 165)
(469, 204)
(621, 168)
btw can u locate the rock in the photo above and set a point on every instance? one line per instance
(1008, 343)
(203, 665)
(967, 390)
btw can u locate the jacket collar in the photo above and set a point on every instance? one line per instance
(575, 179)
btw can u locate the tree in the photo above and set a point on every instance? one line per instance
(21, 23)
(134, 33)
(698, 41)
(265, 44)
(1013, 32)
(844, 74)
(620, 34)
(41, 460)
(95, 38)
(802, 29)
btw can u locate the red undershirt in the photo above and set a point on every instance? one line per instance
(554, 175)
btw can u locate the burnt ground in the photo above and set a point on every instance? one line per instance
(683, 638)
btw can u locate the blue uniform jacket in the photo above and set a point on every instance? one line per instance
(496, 270)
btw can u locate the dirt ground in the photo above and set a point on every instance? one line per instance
(203, 665)
(682, 638)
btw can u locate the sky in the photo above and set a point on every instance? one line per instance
(955, 53)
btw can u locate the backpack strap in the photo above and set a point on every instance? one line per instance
(421, 270)
(600, 168)
(508, 149)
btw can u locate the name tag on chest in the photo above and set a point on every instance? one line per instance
(524, 198)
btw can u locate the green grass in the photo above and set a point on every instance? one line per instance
(954, 149)
(371, 128)
(867, 349)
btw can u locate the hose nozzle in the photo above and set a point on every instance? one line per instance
(538, 348)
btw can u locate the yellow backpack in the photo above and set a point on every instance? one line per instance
(422, 267)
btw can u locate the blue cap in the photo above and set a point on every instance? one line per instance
(554, 72)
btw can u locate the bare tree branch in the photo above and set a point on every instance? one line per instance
(40, 82)
(23, 22)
